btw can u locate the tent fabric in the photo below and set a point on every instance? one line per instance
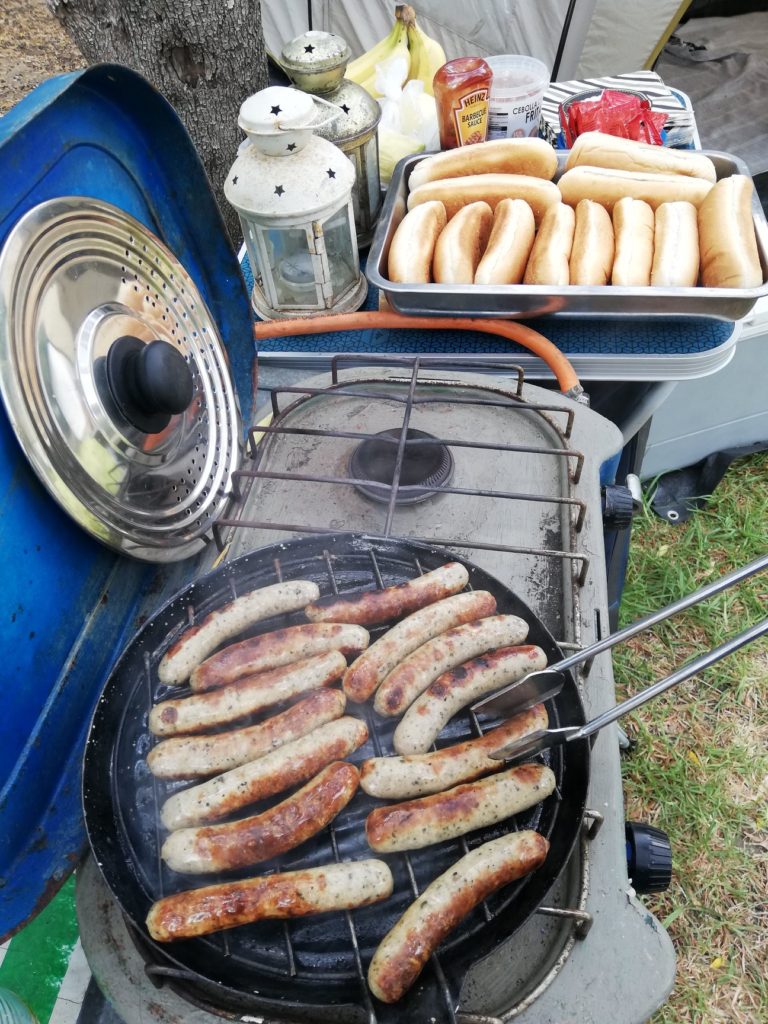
(462, 26)
(622, 36)
(722, 64)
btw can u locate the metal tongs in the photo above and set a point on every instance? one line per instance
(540, 686)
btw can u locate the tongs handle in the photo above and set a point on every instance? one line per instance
(683, 673)
(718, 585)
(532, 744)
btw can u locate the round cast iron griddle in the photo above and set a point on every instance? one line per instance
(250, 967)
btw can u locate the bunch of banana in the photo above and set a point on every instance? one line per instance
(427, 55)
(394, 46)
(421, 56)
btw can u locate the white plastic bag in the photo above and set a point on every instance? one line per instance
(408, 110)
(408, 119)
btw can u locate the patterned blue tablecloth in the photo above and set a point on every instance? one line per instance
(609, 337)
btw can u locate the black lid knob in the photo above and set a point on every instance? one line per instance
(649, 857)
(148, 383)
(618, 506)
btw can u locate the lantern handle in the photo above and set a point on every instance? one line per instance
(558, 363)
(315, 124)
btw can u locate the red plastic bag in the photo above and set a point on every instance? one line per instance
(615, 113)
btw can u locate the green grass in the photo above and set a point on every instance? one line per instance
(700, 767)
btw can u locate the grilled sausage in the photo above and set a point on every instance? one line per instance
(421, 668)
(190, 757)
(365, 674)
(376, 606)
(429, 920)
(246, 696)
(270, 650)
(195, 644)
(402, 778)
(293, 763)
(263, 836)
(433, 819)
(454, 690)
(185, 915)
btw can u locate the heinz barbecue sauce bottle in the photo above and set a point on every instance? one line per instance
(462, 91)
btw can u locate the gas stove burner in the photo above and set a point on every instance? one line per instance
(428, 465)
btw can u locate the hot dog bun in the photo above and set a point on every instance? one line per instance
(729, 256)
(596, 149)
(490, 188)
(413, 244)
(592, 253)
(500, 156)
(676, 247)
(510, 243)
(607, 186)
(551, 253)
(633, 233)
(461, 244)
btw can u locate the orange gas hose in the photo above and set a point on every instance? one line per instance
(513, 331)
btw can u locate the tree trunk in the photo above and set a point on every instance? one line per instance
(205, 56)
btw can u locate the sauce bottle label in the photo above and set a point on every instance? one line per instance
(471, 117)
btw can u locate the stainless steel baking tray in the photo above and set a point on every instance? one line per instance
(525, 301)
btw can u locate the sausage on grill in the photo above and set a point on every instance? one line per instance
(433, 819)
(421, 668)
(426, 717)
(195, 644)
(366, 673)
(190, 757)
(273, 773)
(238, 844)
(375, 606)
(246, 696)
(402, 778)
(434, 914)
(213, 908)
(281, 647)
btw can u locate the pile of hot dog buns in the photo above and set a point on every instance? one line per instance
(236, 731)
(623, 213)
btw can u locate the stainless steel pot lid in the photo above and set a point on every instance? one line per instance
(115, 379)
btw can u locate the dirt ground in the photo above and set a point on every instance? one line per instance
(33, 46)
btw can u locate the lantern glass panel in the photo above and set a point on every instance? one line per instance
(371, 170)
(292, 267)
(354, 156)
(341, 248)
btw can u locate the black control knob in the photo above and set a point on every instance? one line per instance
(649, 857)
(618, 506)
(148, 383)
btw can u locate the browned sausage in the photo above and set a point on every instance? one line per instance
(401, 778)
(453, 690)
(366, 673)
(196, 643)
(281, 647)
(433, 819)
(263, 836)
(190, 757)
(288, 894)
(429, 920)
(376, 606)
(273, 773)
(246, 696)
(441, 654)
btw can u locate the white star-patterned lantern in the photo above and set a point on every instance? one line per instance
(293, 193)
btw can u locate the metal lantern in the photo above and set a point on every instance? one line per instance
(293, 193)
(316, 62)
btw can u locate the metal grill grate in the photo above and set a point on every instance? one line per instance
(238, 959)
(419, 380)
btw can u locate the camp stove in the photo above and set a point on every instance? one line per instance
(506, 477)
